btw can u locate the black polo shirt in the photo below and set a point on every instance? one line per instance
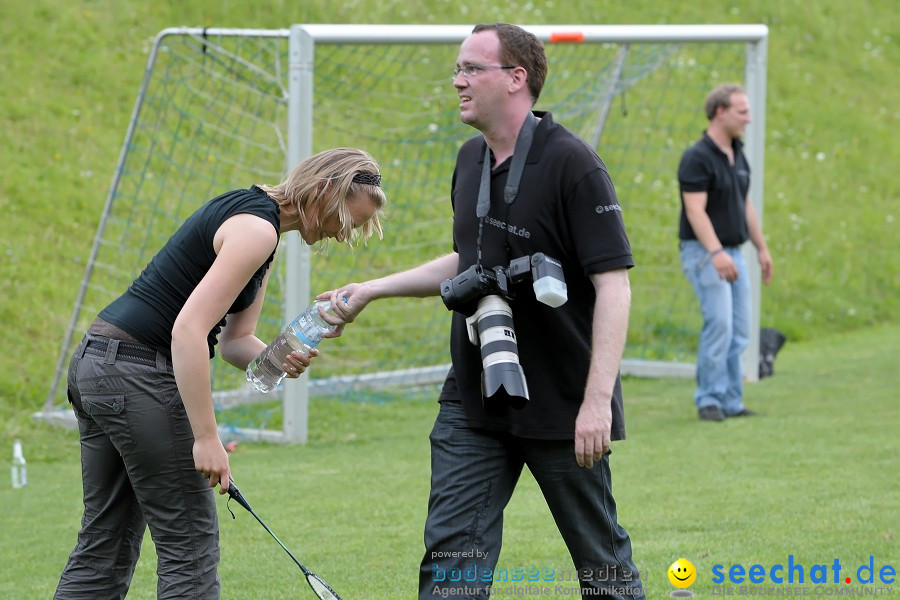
(148, 309)
(566, 208)
(705, 168)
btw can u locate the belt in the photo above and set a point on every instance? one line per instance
(126, 351)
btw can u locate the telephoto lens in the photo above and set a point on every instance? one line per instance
(502, 379)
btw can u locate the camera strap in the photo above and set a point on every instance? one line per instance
(520, 154)
(511, 190)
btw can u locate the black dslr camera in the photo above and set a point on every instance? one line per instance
(480, 295)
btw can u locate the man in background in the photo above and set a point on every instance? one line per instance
(716, 218)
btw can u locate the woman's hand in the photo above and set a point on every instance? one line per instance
(211, 459)
(297, 362)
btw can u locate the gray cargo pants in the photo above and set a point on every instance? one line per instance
(137, 470)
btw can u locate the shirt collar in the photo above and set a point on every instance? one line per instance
(736, 144)
(540, 138)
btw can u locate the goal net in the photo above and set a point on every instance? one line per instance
(221, 109)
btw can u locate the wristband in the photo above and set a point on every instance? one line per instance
(714, 252)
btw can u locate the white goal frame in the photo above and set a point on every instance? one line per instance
(302, 43)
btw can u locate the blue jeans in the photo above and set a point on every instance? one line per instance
(473, 475)
(726, 327)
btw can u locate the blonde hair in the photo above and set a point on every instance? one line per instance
(325, 180)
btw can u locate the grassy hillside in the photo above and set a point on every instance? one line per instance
(71, 71)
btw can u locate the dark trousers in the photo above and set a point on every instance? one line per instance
(137, 470)
(473, 475)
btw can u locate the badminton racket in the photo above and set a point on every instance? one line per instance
(322, 589)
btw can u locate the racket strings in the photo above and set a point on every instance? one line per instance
(322, 589)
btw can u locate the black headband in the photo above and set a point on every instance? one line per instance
(367, 178)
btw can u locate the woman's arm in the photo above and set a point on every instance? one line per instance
(239, 345)
(242, 244)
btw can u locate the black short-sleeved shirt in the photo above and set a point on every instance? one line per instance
(566, 208)
(705, 168)
(148, 309)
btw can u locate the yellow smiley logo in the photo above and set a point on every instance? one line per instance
(682, 573)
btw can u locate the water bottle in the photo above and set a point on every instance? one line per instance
(19, 472)
(303, 333)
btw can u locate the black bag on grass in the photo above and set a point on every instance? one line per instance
(770, 342)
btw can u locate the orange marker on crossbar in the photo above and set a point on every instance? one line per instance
(572, 37)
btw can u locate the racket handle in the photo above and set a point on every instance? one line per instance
(237, 496)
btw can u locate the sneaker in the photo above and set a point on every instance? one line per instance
(711, 413)
(745, 413)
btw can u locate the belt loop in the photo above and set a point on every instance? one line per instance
(79, 351)
(160, 362)
(111, 350)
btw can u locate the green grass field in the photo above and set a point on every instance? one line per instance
(814, 477)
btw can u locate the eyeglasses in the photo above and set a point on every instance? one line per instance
(473, 70)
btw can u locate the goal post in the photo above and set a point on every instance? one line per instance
(225, 108)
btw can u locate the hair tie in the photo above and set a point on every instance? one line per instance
(367, 178)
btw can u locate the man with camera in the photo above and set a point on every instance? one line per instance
(534, 378)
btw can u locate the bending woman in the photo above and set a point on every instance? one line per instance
(139, 381)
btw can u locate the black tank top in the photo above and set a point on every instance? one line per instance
(148, 309)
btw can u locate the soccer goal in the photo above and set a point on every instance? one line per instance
(225, 108)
